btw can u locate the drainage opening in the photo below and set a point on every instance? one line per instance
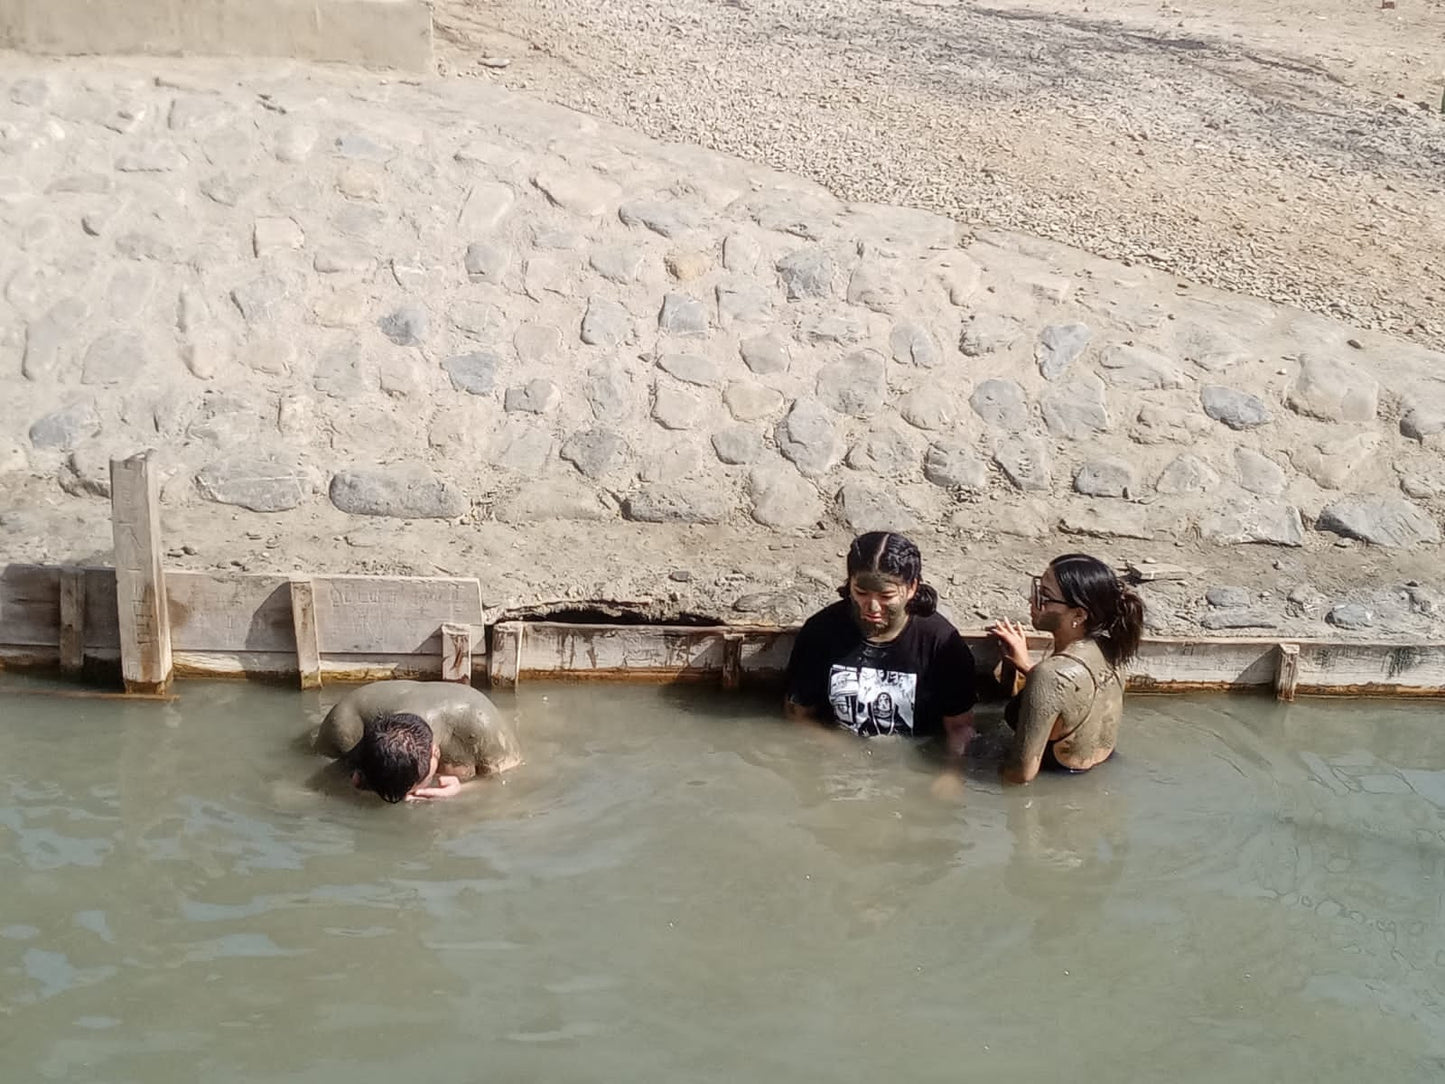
(613, 613)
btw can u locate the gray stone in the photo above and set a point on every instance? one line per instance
(865, 507)
(1135, 369)
(682, 315)
(344, 308)
(666, 217)
(485, 208)
(606, 323)
(536, 396)
(596, 452)
(1258, 473)
(912, 344)
(342, 372)
(1025, 463)
(66, 427)
(260, 299)
(807, 272)
(1228, 597)
(691, 369)
(1236, 409)
(545, 235)
(138, 245)
(522, 448)
(544, 276)
(1331, 462)
(1381, 521)
(402, 374)
(926, 408)
(343, 261)
(114, 357)
(487, 261)
(677, 504)
(474, 373)
(954, 465)
(152, 158)
(876, 286)
(537, 344)
(621, 264)
(1422, 417)
(402, 492)
(1001, 403)
(274, 234)
(558, 498)
(783, 499)
(741, 254)
(1105, 478)
(405, 326)
(747, 401)
(609, 393)
(1208, 347)
(1333, 391)
(1238, 619)
(840, 329)
(1075, 409)
(743, 302)
(294, 143)
(47, 339)
(129, 291)
(737, 444)
(987, 333)
(855, 385)
(1264, 522)
(259, 482)
(765, 354)
(887, 451)
(583, 193)
(274, 357)
(1350, 615)
(808, 438)
(359, 145)
(674, 408)
(1186, 473)
(1108, 521)
(686, 265)
(1059, 346)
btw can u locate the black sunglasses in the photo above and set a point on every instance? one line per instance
(1039, 596)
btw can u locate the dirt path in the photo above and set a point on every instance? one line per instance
(1283, 151)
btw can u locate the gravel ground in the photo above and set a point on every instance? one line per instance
(1287, 154)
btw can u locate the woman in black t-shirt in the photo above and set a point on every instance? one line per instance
(882, 660)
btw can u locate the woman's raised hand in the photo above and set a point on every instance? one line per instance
(1013, 643)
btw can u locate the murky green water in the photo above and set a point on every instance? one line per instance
(677, 886)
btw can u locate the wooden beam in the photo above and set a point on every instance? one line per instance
(1286, 678)
(145, 630)
(457, 653)
(504, 663)
(308, 642)
(732, 660)
(72, 620)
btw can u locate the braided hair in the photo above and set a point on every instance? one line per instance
(894, 555)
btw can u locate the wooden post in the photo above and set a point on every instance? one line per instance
(140, 585)
(72, 620)
(505, 662)
(732, 660)
(308, 642)
(1287, 676)
(457, 653)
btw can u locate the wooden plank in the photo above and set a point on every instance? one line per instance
(402, 615)
(230, 611)
(145, 633)
(1286, 678)
(732, 662)
(72, 620)
(282, 664)
(30, 606)
(303, 623)
(456, 654)
(504, 661)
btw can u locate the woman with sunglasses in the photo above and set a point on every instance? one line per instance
(1066, 718)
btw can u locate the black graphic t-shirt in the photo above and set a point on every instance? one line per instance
(905, 686)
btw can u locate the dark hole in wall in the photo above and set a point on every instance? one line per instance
(607, 614)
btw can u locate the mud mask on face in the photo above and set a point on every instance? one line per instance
(894, 612)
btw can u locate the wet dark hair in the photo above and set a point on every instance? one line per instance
(394, 754)
(891, 555)
(1116, 613)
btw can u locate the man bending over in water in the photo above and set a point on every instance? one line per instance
(417, 740)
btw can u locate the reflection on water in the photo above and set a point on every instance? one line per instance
(678, 886)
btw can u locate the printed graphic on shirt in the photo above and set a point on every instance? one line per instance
(869, 701)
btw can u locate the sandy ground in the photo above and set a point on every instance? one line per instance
(1293, 151)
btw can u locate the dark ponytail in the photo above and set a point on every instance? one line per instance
(892, 555)
(1116, 613)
